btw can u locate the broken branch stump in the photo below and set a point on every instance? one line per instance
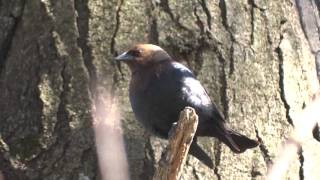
(180, 138)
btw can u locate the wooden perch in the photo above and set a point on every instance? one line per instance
(180, 138)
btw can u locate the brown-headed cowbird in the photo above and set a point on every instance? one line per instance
(161, 87)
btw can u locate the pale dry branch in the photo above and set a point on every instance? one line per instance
(180, 138)
(1, 176)
(109, 141)
(305, 122)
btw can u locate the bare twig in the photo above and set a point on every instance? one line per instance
(109, 140)
(180, 139)
(1, 176)
(306, 121)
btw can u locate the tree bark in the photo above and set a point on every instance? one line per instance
(56, 55)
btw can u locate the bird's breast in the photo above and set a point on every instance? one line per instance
(156, 102)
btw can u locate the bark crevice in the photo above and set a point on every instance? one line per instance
(301, 160)
(224, 87)
(282, 83)
(252, 20)
(153, 34)
(116, 29)
(201, 44)
(217, 159)
(81, 6)
(206, 10)
(164, 4)
(223, 13)
(264, 150)
(316, 132)
(5, 46)
(149, 162)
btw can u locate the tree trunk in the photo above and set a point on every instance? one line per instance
(55, 55)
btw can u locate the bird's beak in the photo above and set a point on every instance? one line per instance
(124, 57)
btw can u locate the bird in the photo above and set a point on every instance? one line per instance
(161, 87)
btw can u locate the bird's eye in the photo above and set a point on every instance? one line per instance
(135, 53)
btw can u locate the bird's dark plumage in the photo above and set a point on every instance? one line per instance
(160, 88)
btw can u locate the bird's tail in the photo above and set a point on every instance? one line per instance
(196, 151)
(238, 143)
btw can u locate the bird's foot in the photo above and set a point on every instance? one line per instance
(172, 129)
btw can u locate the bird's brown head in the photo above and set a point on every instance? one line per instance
(143, 55)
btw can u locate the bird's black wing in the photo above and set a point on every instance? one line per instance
(194, 94)
(169, 92)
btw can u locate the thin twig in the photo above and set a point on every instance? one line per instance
(304, 124)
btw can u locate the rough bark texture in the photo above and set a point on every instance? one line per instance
(309, 12)
(251, 55)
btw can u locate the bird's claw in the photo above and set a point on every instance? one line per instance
(172, 129)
